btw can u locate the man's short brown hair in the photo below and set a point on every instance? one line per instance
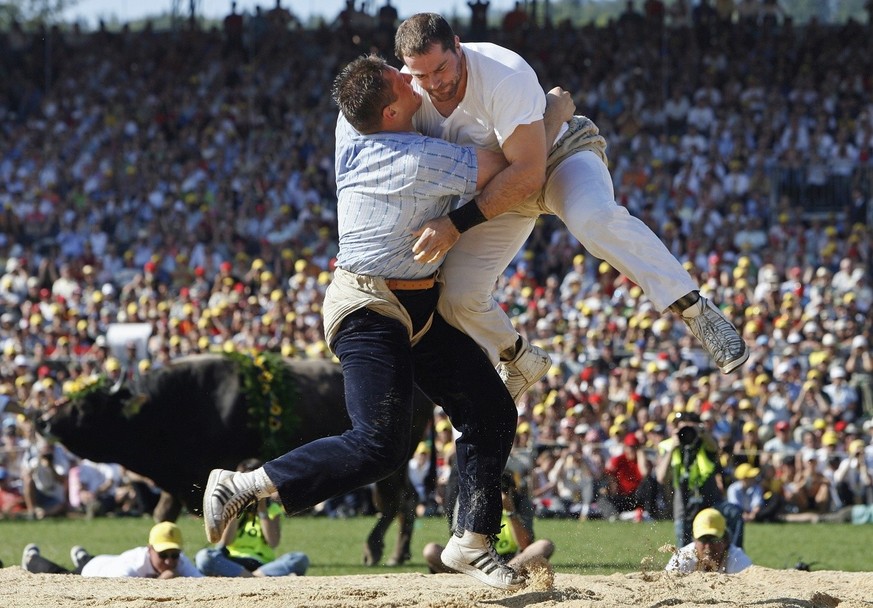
(417, 34)
(361, 91)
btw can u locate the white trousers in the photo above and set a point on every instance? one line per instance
(580, 192)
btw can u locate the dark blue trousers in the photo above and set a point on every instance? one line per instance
(380, 369)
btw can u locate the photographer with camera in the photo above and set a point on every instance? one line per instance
(693, 457)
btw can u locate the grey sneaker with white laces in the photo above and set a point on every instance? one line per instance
(473, 554)
(527, 367)
(79, 556)
(718, 336)
(227, 494)
(30, 551)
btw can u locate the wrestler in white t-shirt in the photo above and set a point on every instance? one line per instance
(481, 94)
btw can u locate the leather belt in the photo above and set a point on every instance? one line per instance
(410, 284)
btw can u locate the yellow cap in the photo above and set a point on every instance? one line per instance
(746, 471)
(709, 522)
(165, 535)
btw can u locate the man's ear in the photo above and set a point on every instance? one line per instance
(388, 112)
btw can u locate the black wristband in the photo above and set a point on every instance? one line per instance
(466, 216)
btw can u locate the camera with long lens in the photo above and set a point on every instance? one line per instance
(688, 435)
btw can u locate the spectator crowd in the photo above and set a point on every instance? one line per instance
(171, 193)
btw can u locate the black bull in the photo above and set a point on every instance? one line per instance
(192, 416)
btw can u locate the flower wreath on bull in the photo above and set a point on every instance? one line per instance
(268, 387)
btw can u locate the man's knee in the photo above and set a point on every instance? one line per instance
(545, 547)
(458, 299)
(432, 556)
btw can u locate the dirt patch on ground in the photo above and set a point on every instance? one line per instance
(759, 587)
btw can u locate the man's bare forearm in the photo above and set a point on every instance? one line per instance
(510, 187)
(526, 172)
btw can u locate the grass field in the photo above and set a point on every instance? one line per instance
(334, 546)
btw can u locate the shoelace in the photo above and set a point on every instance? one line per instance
(498, 559)
(237, 501)
(719, 332)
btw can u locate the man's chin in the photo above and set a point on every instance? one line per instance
(440, 96)
(709, 563)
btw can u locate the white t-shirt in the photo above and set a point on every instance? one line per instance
(685, 560)
(133, 563)
(502, 92)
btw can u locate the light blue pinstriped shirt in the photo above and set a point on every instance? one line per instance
(389, 184)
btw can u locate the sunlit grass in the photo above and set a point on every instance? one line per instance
(335, 546)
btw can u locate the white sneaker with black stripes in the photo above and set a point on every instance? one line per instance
(227, 494)
(474, 554)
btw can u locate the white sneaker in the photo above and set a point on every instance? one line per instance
(529, 365)
(79, 556)
(474, 554)
(227, 494)
(718, 336)
(30, 551)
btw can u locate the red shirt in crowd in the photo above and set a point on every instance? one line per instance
(626, 472)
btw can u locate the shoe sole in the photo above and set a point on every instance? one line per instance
(732, 365)
(465, 568)
(213, 534)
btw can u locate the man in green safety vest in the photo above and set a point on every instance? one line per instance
(692, 456)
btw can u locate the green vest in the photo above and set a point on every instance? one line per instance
(250, 541)
(505, 543)
(702, 469)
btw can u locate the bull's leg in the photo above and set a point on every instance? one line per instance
(387, 497)
(168, 508)
(375, 543)
(387, 506)
(405, 522)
